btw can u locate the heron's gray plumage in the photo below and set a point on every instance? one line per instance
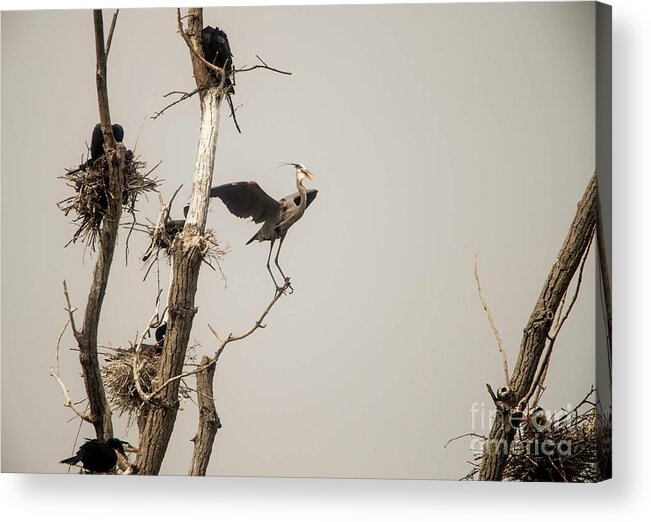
(246, 199)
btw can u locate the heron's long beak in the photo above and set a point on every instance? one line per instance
(309, 175)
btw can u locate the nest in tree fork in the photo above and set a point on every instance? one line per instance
(560, 449)
(165, 232)
(91, 185)
(118, 376)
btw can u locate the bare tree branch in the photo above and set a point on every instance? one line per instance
(262, 65)
(500, 344)
(224, 342)
(110, 35)
(537, 384)
(152, 323)
(184, 96)
(100, 410)
(536, 333)
(469, 434)
(71, 312)
(56, 374)
(209, 421)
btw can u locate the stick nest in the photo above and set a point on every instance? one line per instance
(563, 451)
(569, 446)
(164, 233)
(118, 376)
(90, 200)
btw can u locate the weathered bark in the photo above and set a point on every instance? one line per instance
(186, 257)
(605, 281)
(209, 421)
(496, 449)
(100, 410)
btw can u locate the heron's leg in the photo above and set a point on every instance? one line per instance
(281, 270)
(271, 246)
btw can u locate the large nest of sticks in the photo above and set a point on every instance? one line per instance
(568, 446)
(118, 376)
(164, 233)
(90, 200)
(562, 448)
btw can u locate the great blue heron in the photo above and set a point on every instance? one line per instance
(99, 457)
(246, 199)
(97, 140)
(217, 51)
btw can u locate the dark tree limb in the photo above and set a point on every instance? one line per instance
(100, 411)
(262, 65)
(111, 30)
(536, 333)
(209, 421)
(183, 96)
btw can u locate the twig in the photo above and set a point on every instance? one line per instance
(184, 96)
(230, 105)
(70, 311)
(110, 35)
(55, 373)
(152, 323)
(576, 408)
(159, 231)
(262, 65)
(126, 243)
(469, 434)
(223, 343)
(500, 345)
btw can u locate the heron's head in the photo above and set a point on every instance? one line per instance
(301, 171)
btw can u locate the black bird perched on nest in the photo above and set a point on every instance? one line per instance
(246, 199)
(217, 51)
(99, 457)
(172, 227)
(160, 334)
(97, 140)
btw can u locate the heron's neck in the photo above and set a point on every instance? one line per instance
(302, 191)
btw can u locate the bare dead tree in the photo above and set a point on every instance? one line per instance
(536, 335)
(187, 253)
(188, 247)
(100, 411)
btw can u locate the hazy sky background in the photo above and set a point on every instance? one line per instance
(436, 132)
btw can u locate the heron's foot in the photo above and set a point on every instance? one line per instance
(286, 288)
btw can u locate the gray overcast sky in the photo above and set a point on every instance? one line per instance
(437, 132)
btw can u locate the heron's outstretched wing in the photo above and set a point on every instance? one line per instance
(294, 200)
(246, 199)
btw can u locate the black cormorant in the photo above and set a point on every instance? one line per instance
(217, 51)
(97, 140)
(99, 457)
(160, 334)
